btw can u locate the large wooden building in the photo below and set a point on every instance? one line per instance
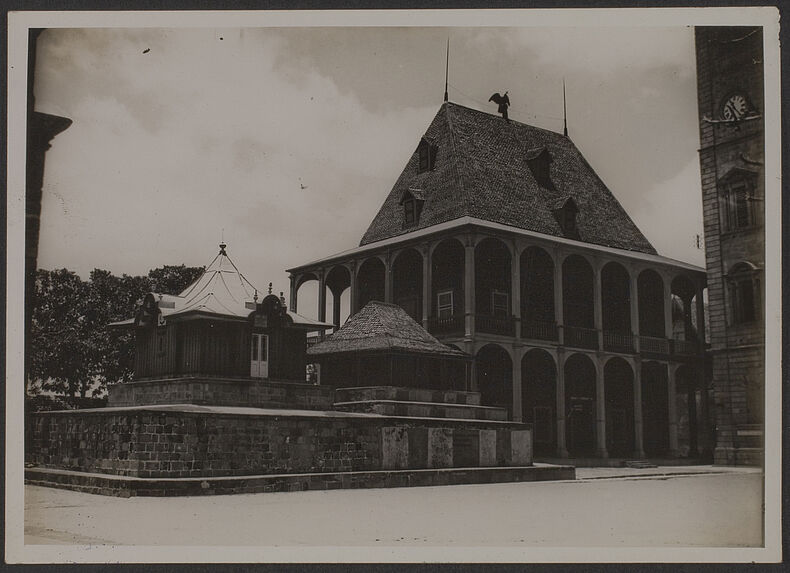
(501, 240)
(730, 95)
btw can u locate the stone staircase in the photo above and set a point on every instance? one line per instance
(416, 402)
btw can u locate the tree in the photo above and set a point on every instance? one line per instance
(171, 279)
(71, 348)
(57, 342)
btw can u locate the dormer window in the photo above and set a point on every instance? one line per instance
(565, 211)
(412, 201)
(539, 161)
(427, 156)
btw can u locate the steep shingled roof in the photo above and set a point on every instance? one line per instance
(482, 171)
(381, 326)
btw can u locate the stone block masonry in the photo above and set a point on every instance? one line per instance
(222, 392)
(186, 441)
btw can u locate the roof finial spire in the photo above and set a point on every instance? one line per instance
(446, 69)
(270, 288)
(564, 111)
(222, 246)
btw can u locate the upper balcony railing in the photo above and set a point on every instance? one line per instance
(446, 325)
(653, 345)
(504, 325)
(685, 347)
(618, 341)
(581, 337)
(539, 330)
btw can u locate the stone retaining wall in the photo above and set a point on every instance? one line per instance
(196, 441)
(222, 392)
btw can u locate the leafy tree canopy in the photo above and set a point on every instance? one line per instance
(70, 349)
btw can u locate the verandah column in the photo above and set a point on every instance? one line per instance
(667, 306)
(558, 310)
(562, 450)
(335, 310)
(515, 272)
(426, 285)
(600, 411)
(672, 411)
(638, 425)
(633, 293)
(292, 298)
(469, 286)
(322, 298)
(354, 294)
(597, 304)
(518, 414)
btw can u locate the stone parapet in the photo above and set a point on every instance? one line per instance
(243, 392)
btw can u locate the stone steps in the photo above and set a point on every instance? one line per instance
(402, 394)
(424, 409)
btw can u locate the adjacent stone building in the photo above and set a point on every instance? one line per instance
(730, 94)
(501, 240)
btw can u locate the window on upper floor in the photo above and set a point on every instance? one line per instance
(444, 304)
(744, 289)
(738, 200)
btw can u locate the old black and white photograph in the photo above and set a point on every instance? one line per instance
(394, 286)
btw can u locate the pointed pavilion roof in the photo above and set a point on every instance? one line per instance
(381, 326)
(482, 171)
(223, 291)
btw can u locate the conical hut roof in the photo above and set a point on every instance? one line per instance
(382, 327)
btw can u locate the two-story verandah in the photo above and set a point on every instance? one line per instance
(606, 337)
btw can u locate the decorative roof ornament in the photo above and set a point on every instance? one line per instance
(222, 249)
(503, 102)
(270, 288)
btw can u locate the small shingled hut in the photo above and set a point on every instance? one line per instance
(382, 345)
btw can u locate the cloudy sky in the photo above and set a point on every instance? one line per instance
(287, 140)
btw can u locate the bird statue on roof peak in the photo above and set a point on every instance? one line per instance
(503, 101)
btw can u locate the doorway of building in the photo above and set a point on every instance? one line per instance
(259, 356)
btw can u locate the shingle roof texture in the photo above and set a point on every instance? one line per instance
(381, 326)
(481, 171)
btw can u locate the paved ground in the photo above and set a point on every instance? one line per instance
(606, 507)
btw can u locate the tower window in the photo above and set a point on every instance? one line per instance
(744, 287)
(737, 196)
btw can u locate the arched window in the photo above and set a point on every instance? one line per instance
(744, 289)
(737, 192)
